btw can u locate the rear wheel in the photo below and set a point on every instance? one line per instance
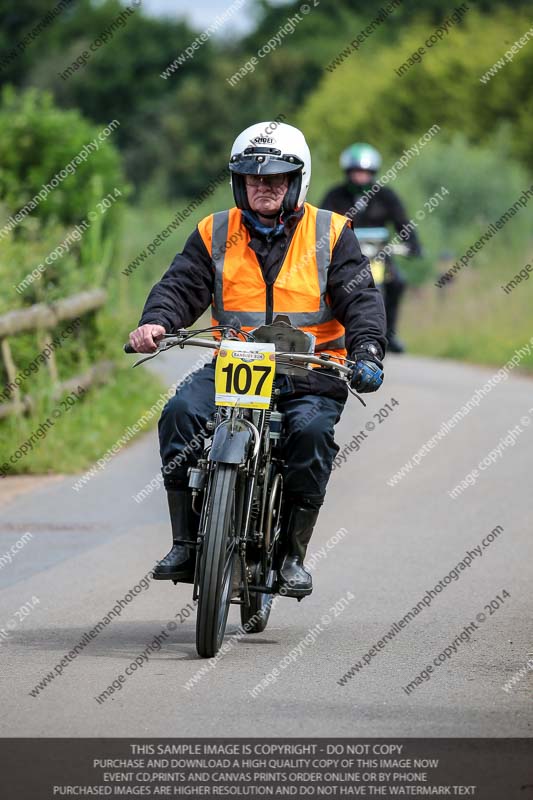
(254, 617)
(218, 559)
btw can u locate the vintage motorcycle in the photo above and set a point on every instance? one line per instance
(237, 484)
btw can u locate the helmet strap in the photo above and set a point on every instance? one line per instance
(290, 201)
(239, 192)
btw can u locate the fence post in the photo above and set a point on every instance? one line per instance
(44, 339)
(11, 372)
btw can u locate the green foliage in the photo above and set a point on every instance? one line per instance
(37, 141)
(482, 155)
(482, 181)
(473, 319)
(121, 79)
(176, 132)
(86, 430)
(66, 244)
(444, 88)
(332, 15)
(19, 17)
(198, 143)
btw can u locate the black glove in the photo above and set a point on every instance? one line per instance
(368, 371)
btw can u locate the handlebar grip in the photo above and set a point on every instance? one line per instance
(129, 349)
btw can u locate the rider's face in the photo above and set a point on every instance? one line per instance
(266, 192)
(360, 176)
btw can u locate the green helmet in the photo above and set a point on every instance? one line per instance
(360, 156)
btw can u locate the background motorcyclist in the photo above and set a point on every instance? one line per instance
(272, 253)
(361, 163)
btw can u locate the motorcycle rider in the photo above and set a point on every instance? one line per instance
(272, 253)
(361, 163)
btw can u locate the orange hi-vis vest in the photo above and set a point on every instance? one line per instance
(241, 295)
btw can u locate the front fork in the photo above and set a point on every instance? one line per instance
(252, 470)
(200, 479)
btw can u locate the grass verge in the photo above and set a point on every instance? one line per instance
(474, 319)
(84, 431)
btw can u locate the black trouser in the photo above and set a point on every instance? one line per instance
(308, 446)
(393, 289)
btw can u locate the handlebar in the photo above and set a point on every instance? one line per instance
(183, 338)
(376, 250)
(342, 372)
(374, 240)
(399, 249)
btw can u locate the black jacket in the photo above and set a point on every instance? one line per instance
(185, 290)
(382, 208)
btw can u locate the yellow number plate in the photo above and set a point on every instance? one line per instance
(244, 374)
(378, 270)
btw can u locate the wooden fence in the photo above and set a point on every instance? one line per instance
(43, 318)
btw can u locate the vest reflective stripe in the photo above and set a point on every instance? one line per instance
(302, 279)
(241, 319)
(333, 344)
(323, 246)
(219, 239)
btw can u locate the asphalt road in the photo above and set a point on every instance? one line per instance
(385, 546)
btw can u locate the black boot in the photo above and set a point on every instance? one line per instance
(179, 562)
(394, 290)
(394, 345)
(294, 580)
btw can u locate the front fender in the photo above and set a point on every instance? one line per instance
(228, 447)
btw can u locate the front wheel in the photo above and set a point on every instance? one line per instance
(218, 559)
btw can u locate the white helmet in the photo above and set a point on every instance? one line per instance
(271, 148)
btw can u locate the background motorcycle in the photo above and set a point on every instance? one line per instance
(372, 242)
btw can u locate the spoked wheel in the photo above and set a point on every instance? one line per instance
(218, 559)
(254, 617)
